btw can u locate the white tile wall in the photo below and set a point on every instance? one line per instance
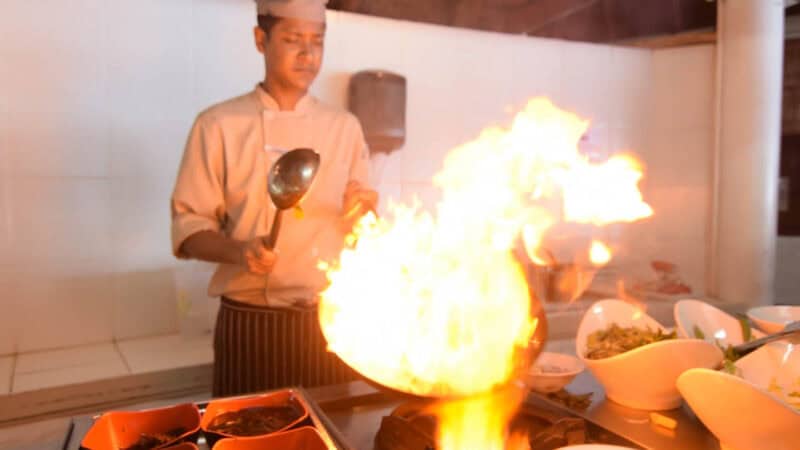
(224, 59)
(683, 80)
(6, 374)
(68, 375)
(144, 304)
(92, 157)
(60, 225)
(60, 359)
(58, 312)
(586, 81)
(45, 369)
(166, 352)
(58, 88)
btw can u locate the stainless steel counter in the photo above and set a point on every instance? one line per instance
(359, 421)
(352, 413)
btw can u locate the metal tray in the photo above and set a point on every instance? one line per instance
(333, 439)
(357, 416)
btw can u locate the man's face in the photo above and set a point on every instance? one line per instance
(293, 52)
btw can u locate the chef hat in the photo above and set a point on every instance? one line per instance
(311, 10)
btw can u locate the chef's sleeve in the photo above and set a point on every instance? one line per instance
(198, 198)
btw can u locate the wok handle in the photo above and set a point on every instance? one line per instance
(273, 232)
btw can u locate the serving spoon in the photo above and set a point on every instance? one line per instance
(747, 347)
(289, 178)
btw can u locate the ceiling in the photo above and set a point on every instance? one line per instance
(608, 21)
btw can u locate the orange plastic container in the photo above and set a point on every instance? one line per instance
(184, 446)
(121, 429)
(278, 398)
(303, 438)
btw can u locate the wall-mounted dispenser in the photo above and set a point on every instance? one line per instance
(378, 99)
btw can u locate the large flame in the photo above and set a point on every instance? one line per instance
(437, 304)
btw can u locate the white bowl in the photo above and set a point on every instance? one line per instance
(552, 371)
(714, 323)
(741, 412)
(772, 319)
(642, 378)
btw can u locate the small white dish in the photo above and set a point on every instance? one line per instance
(695, 319)
(744, 412)
(552, 371)
(642, 378)
(772, 319)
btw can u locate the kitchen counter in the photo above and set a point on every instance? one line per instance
(355, 410)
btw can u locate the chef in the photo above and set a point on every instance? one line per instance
(267, 334)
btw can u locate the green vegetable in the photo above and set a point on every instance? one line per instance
(747, 332)
(615, 340)
(698, 333)
(729, 367)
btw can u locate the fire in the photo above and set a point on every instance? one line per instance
(599, 253)
(437, 304)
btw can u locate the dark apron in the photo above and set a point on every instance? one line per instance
(260, 348)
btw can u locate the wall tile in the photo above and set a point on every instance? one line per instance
(585, 86)
(68, 375)
(148, 132)
(58, 128)
(225, 62)
(70, 357)
(6, 374)
(680, 158)
(166, 352)
(679, 212)
(58, 312)
(61, 225)
(145, 304)
(630, 81)
(140, 223)
(683, 87)
(536, 68)
(9, 320)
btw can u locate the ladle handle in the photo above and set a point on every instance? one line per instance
(273, 232)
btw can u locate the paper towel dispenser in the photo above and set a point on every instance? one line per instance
(378, 99)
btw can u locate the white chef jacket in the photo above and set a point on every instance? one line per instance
(222, 186)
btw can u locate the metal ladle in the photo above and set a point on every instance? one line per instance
(288, 180)
(747, 347)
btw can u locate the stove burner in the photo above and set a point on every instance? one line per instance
(408, 428)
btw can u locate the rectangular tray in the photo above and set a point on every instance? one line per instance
(333, 439)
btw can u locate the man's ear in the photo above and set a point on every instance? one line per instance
(260, 37)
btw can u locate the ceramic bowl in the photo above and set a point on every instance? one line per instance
(772, 319)
(122, 429)
(750, 410)
(552, 371)
(695, 319)
(272, 399)
(304, 438)
(642, 378)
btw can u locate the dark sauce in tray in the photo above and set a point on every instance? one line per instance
(148, 441)
(255, 421)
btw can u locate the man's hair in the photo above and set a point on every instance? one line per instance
(267, 21)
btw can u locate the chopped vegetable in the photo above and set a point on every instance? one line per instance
(747, 332)
(298, 212)
(615, 340)
(698, 333)
(663, 421)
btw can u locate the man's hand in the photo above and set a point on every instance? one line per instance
(257, 257)
(358, 201)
